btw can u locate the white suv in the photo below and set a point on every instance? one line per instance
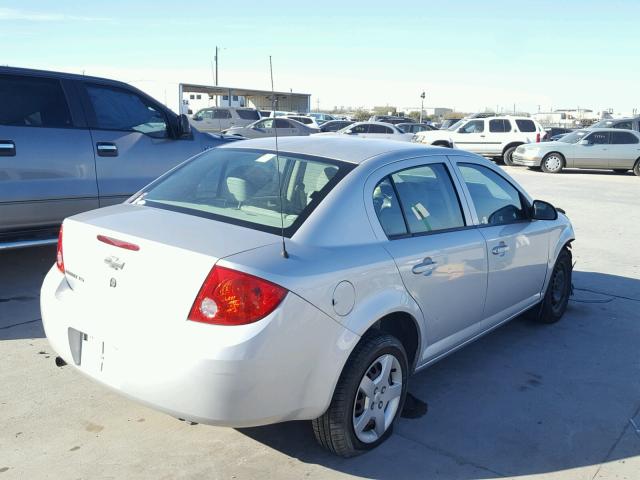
(216, 119)
(489, 137)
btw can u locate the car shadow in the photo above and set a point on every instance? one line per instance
(23, 271)
(525, 399)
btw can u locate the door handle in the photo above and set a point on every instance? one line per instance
(107, 149)
(482, 136)
(7, 148)
(425, 267)
(500, 249)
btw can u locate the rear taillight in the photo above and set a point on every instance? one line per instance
(538, 137)
(229, 297)
(59, 256)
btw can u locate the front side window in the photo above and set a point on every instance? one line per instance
(623, 138)
(497, 202)
(119, 109)
(241, 187)
(268, 123)
(598, 138)
(33, 102)
(221, 114)
(526, 125)
(363, 128)
(474, 126)
(248, 114)
(374, 128)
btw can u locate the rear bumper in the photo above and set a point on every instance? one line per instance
(526, 159)
(283, 367)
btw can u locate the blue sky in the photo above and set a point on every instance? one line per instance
(465, 54)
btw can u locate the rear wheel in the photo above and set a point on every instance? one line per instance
(552, 163)
(636, 168)
(558, 291)
(368, 397)
(507, 157)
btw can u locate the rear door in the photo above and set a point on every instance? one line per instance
(497, 136)
(517, 248)
(132, 140)
(441, 257)
(47, 169)
(624, 150)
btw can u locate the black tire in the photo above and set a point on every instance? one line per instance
(636, 168)
(556, 297)
(334, 430)
(552, 163)
(442, 144)
(620, 171)
(507, 156)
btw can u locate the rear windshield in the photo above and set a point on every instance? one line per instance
(241, 187)
(248, 114)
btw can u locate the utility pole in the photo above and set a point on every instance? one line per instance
(216, 77)
(422, 95)
(317, 104)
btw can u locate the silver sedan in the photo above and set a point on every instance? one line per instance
(270, 127)
(603, 148)
(252, 285)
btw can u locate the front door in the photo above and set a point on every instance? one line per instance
(132, 142)
(47, 170)
(471, 136)
(594, 152)
(442, 260)
(517, 248)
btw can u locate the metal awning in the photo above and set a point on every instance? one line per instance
(244, 92)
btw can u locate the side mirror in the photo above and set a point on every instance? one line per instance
(541, 210)
(184, 127)
(584, 142)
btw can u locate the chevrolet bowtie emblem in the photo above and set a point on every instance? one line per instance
(114, 262)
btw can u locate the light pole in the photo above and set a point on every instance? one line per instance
(422, 95)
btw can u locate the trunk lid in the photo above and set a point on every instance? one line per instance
(132, 291)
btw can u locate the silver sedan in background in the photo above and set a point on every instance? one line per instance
(321, 277)
(269, 127)
(599, 148)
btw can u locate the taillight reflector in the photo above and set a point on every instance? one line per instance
(229, 297)
(59, 256)
(118, 243)
(537, 138)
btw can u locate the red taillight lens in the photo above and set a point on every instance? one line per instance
(537, 138)
(229, 297)
(59, 257)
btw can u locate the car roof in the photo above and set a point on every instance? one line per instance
(603, 129)
(59, 75)
(372, 122)
(340, 147)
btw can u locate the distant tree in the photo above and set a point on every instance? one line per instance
(454, 116)
(361, 115)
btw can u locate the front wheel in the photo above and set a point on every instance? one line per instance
(368, 397)
(552, 163)
(556, 298)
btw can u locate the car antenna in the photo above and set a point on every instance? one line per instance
(273, 107)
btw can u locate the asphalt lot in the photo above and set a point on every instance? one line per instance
(526, 401)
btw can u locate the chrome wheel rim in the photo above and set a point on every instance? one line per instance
(377, 399)
(553, 163)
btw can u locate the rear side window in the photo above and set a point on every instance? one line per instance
(499, 125)
(620, 138)
(33, 102)
(526, 125)
(497, 202)
(282, 123)
(119, 109)
(417, 201)
(241, 187)
(248, 114)
(624, 125)
(222, 114)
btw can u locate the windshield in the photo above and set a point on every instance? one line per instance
(455, 126)
(603, 124)
(573, 137)
(241, 187)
